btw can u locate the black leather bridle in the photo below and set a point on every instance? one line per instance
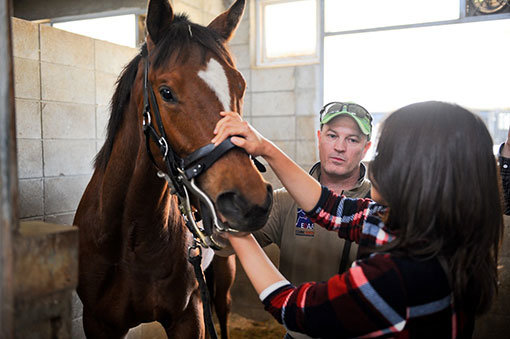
(181, 172)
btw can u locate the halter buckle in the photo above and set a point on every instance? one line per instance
(164, 146)
(146, 118)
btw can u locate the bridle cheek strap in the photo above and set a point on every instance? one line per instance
(181, 173)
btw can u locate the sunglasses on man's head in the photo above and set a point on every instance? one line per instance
(352, 108)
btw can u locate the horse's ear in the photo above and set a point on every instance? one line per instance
(226, 23)
(159, 18)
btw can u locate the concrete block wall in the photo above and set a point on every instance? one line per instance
(63, 84)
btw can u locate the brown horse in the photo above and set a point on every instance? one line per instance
(133, 240)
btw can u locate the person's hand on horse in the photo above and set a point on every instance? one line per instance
(243, 134)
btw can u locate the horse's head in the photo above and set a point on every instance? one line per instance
(193, 78)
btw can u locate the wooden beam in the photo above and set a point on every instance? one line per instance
(8, 172)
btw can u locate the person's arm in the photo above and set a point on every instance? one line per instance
(504, 163)
(331, 308)
(302, 187)
(257, 265)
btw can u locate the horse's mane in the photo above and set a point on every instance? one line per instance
(174, 42)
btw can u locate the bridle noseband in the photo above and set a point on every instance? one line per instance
(181, 172)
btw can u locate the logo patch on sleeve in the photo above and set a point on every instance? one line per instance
(304, 226)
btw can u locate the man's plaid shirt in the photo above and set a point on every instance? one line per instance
(380, 296)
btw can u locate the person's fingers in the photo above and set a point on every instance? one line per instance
(228, 128)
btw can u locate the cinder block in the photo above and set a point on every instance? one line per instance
(288, 147)
(99, 144)
(306, 128)
(67, 84)
(306, 102)
(29, 158)
(241, 55)
(102, 118)
(105, 87)
(68, 157)
(68, 121)
(247, 105)
(66, 48)
(31, 198)
(277, 128)
(307, 76)
(62, 194)
(46, 262)
(25, 39)
(271, 104)
(246, 73)
(273, 79)
(242, 34)
(28, 119)
(112, 58)
(307, 152)
(27, 83)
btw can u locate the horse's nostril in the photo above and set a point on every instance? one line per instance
(230, 203)
(240, 213)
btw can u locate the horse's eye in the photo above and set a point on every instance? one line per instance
(167, 95)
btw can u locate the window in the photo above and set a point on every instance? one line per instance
(347, 15)
(120, 29)
(287, 32)
(408, 54)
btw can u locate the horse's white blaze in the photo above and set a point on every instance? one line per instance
(215, 77)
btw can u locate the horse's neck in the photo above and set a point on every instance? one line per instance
(132, 193)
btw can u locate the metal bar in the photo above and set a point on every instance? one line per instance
(8, 173)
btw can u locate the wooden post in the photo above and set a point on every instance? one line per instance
(8, 173)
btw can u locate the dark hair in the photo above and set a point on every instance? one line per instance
(435, 169)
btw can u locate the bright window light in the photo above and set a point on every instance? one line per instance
(117, 29)
(461, 63)
(290, 28)
(345, 15)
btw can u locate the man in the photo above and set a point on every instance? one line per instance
(309, 252)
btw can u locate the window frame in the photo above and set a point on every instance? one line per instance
(260, 59)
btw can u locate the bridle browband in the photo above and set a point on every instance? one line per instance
(181, 172)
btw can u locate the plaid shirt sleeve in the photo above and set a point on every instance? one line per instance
(504, 168)
(367, 300)
(356, 220)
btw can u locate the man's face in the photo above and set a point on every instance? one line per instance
(342, 146)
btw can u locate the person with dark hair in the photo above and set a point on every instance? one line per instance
(504, 167)
(434, 227)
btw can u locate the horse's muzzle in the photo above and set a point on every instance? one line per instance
(242, 215)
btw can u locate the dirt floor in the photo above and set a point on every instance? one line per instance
(244, 328)
(239, 328)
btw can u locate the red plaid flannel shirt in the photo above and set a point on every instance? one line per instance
(381, 296)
